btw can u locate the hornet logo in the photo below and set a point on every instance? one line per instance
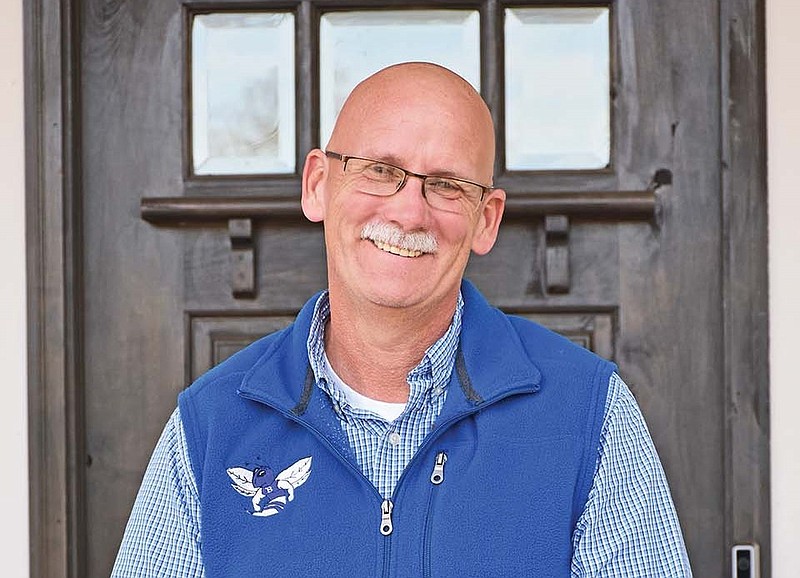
(270, 493)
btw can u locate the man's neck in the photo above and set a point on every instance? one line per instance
(373, 348)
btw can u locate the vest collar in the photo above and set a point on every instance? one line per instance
(491, 362)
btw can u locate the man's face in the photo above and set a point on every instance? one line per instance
(424, 136)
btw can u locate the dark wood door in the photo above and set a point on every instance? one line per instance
(636, 259)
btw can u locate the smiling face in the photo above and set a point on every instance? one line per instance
(398, 251)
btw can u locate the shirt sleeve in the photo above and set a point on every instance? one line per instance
(629, 526)
(162, 538)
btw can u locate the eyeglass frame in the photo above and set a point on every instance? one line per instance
(344, 158)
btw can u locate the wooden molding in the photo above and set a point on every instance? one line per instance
(744, 275)
(55, 400)
(613, 206)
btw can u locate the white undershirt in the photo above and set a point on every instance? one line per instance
(387, 410)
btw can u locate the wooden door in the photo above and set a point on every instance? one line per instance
(651, 258)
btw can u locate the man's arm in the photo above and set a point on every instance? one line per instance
(629, 526)
(162, 537)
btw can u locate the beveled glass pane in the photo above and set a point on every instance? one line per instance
(557, 91)
(354, 45)
(243, 94)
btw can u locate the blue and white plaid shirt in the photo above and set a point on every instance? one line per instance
(628, 528)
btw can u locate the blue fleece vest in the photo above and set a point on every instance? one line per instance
(515, 450)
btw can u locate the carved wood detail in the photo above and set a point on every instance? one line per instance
(556, 228)
(243, 275)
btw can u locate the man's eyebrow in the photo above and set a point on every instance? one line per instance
(394, 160)
(388, 158)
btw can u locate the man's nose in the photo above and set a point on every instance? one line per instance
(408, 204)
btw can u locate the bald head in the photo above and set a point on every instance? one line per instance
(445, 112)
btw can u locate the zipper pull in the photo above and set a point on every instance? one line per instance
(386, 517)
(437, 477)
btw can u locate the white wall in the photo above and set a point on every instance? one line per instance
(783, 56)
(13, 407)
(783, 111)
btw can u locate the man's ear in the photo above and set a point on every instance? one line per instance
(491, 213)
(315, 172)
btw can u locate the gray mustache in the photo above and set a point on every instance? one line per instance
(423, 241)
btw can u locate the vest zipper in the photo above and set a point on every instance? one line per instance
(437, 477)
(386, 517)
(386, 529)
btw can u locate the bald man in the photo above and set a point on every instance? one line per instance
(402, 426)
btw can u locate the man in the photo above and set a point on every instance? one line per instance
(402, 426)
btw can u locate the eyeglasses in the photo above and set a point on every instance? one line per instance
(384, 180)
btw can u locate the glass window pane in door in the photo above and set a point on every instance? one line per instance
(354, 45)
(558, 114)
(243, 93)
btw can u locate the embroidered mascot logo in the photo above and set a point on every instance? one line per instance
(270, 493)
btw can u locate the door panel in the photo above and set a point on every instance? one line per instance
(163, 295)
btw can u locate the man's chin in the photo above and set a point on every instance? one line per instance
(394, 300)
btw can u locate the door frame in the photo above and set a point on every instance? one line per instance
(57, 456)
